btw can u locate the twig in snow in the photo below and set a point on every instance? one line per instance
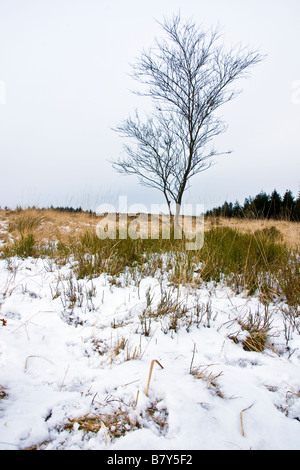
(150, 373)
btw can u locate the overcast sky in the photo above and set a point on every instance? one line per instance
(64, 83)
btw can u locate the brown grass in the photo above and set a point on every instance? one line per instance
(114, 424)
(150, 374)
(202, 373)
(122, 344)
(258, 328)
(49, 224)
(289, 230)
(118, 421)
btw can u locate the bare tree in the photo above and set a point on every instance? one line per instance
(188, 76)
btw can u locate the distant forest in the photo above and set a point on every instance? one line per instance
(262, 206)
(69, 209)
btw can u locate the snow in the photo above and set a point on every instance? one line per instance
(59, 362)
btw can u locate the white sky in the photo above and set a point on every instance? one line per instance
(64, 84)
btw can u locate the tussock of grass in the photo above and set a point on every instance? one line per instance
(210, 378)
(114, 424)
(252, 262)
(171, 313)
(256, 341)
(289, 231)
(258, 328)
(23, 247)
(122, 349)
(25, 221)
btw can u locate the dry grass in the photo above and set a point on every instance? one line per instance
(171, 312)
(47, 224)
(241, 418)
(289, 230)
(258, 329)
(113, 424)
(150, 374)
(120, 349)
(159, 415)
(293, 393)
(210, 378)
(256, 256)
(53, 225)
(256, 341)
(118, 421)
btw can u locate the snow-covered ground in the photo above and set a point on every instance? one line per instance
(76, 349)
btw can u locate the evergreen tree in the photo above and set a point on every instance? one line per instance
(296, 214)
(248, 208)
(288, 205)
(237, 210)
(275, 210)
(261, 205)
(227, 209)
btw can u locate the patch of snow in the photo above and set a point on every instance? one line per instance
(59, 362)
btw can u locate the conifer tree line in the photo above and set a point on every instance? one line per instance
(262, 206)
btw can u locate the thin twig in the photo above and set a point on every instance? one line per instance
(241, 418)
(149, 343)
(150, 374)
(194, 350)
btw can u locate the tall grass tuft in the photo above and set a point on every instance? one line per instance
(25, 221)
(253, 262)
